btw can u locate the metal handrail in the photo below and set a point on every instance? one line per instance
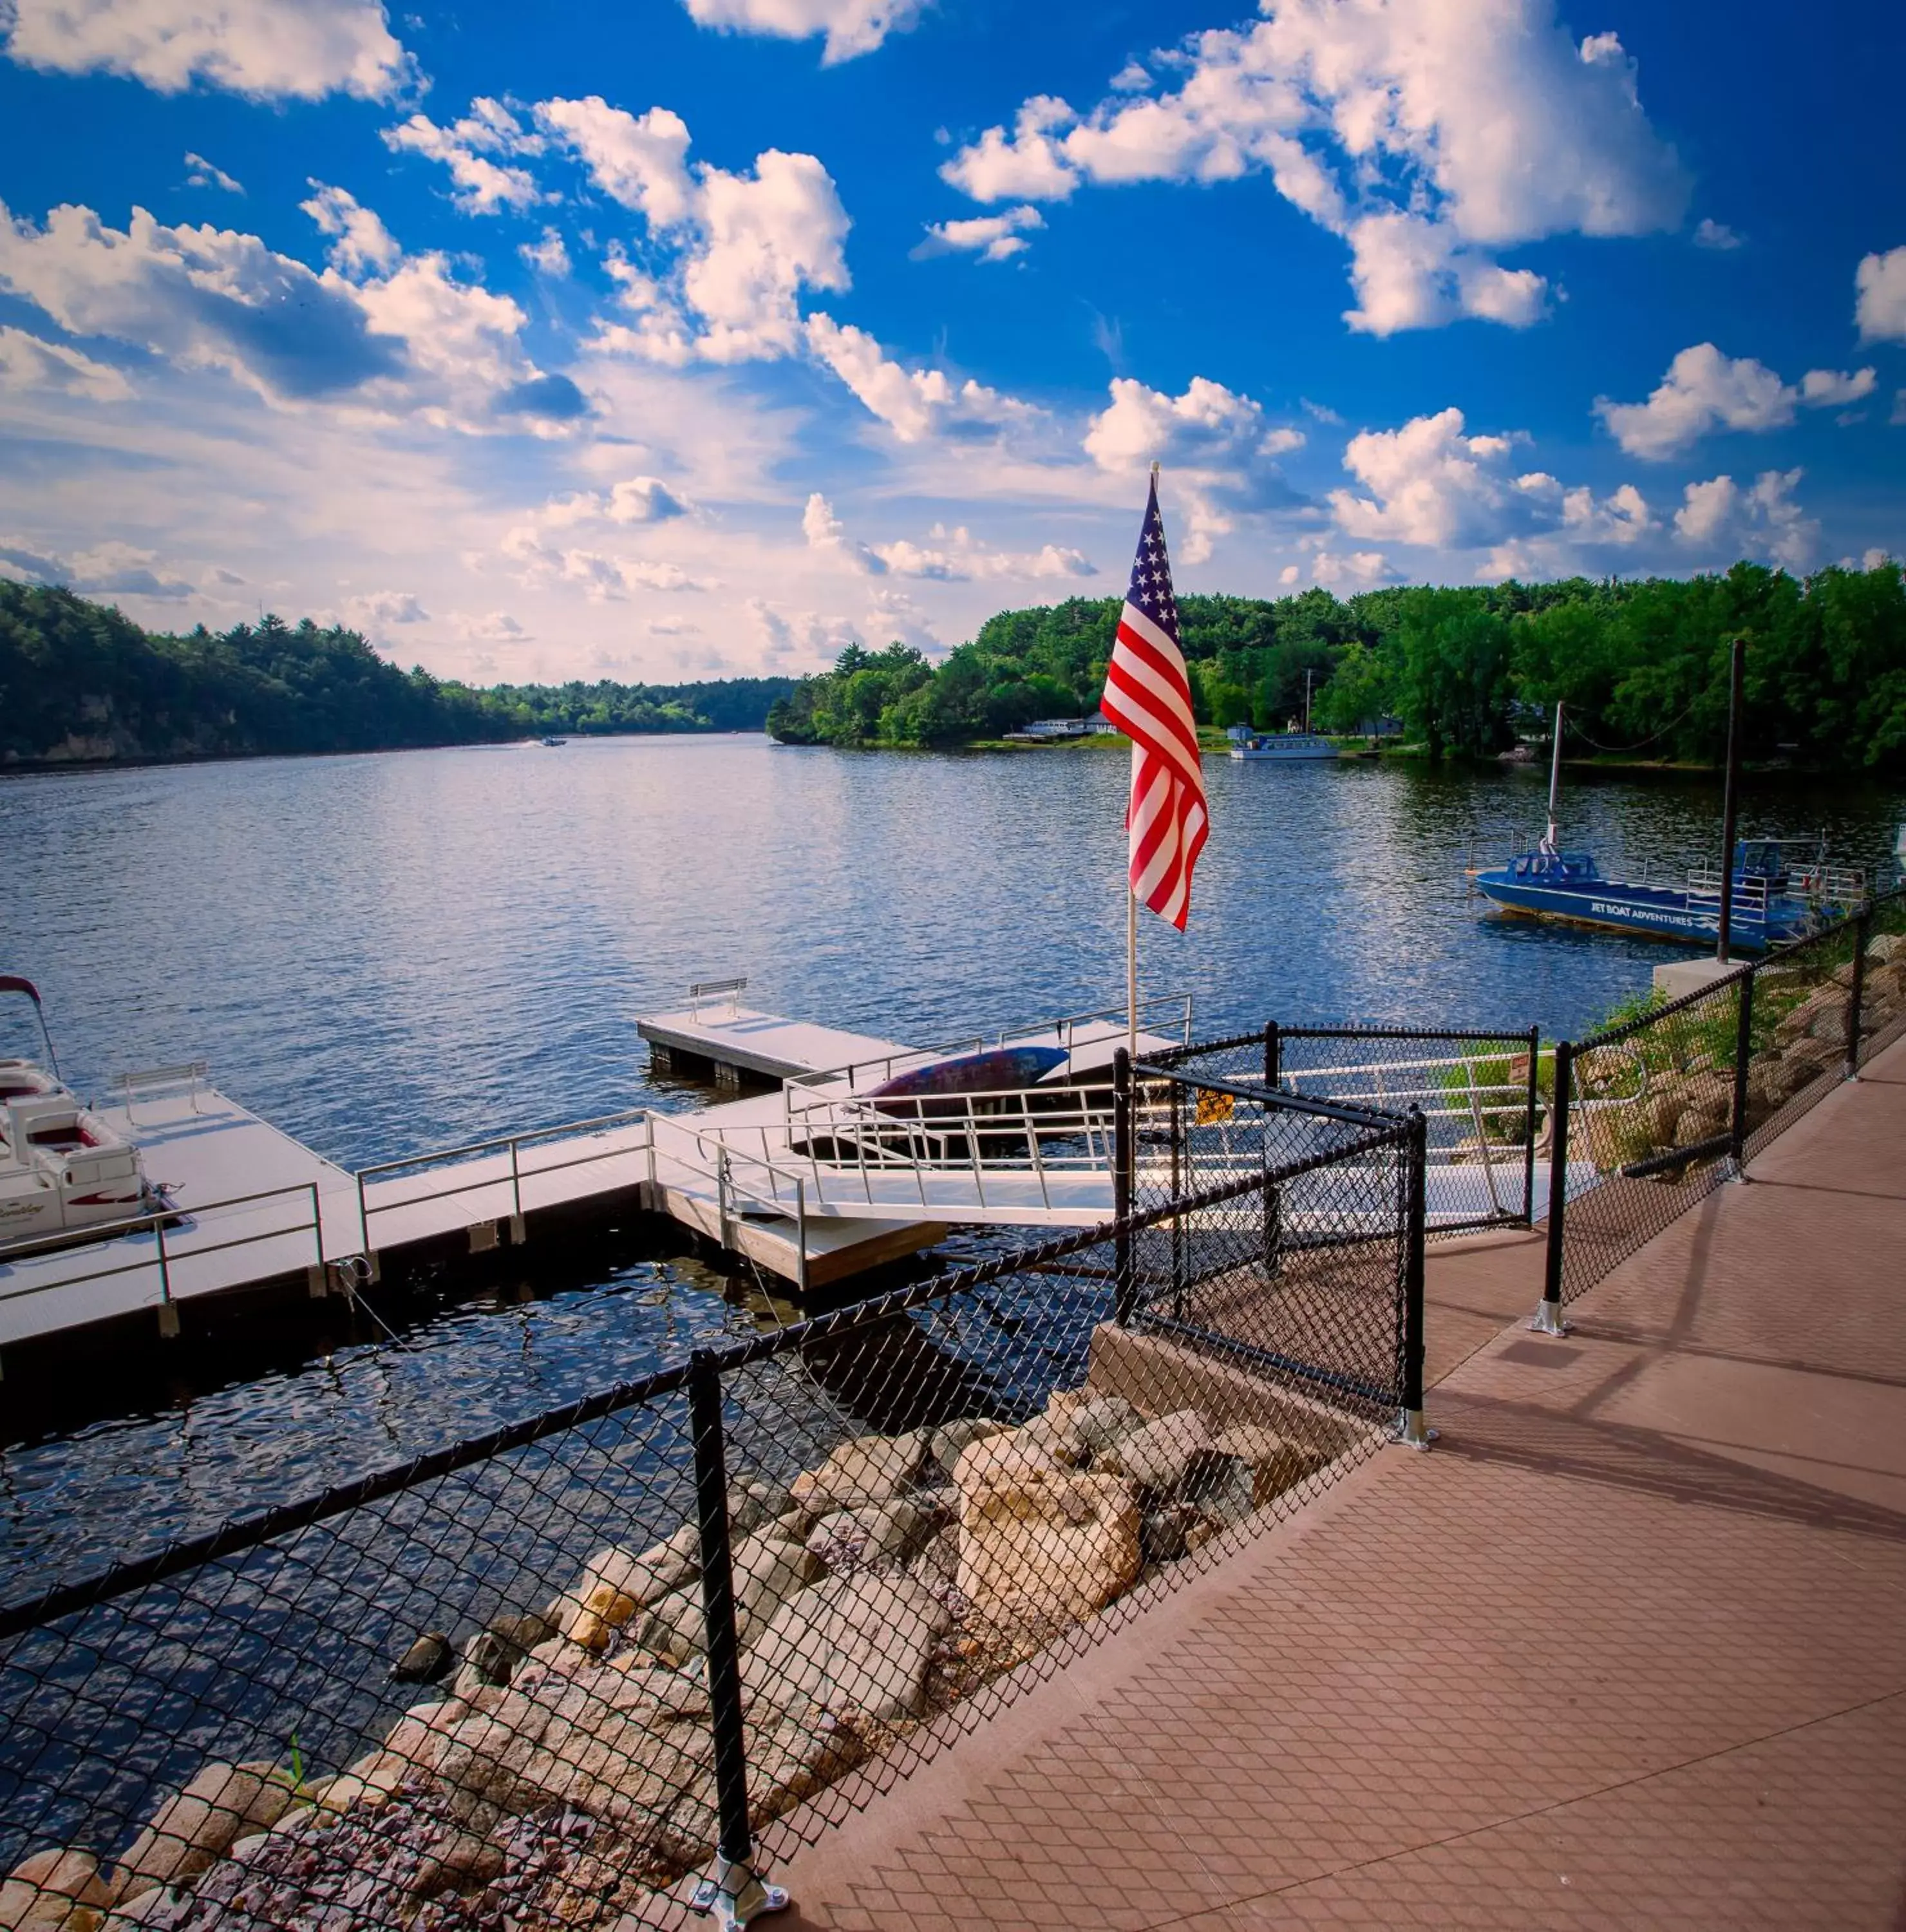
(514, 1144)
(157, 1222)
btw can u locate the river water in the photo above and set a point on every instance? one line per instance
(383, 955)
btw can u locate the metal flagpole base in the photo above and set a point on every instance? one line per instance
(1412, 1431)
(1547, 1320)
(734, 1896)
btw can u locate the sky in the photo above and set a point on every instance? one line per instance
(676, 339)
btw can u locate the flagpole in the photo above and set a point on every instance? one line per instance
(1131, 922)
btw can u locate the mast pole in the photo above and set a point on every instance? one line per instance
(1554, 777)
(1731, 798)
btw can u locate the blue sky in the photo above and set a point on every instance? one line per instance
(684, 338)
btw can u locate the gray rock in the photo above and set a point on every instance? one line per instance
(767, 1569)
(425, 1661)
(1161, 1456)
(869, 1469)
(750, 1505)
(491, 1658)
(1103, 1423)
(870, 1534)
(860, 1645)
(952, 1437)
(1223, 1490)
(1161, 1534)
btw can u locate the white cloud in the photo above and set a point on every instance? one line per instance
(360, 244)
(1704, 390)
(482, 185)
(1722, 521)
(1428, 133)
(302, 49)
(602, 577)
(27, 362)
(1709, 233)
(1218, 452)
(994, 238)
(547, 255)
(201, 297)
(1834, 388)
(744, 245)
(1879, 297)
(376, 609)
(805, 638)
(852, 26)
(1429, 484)
(914, 403)
(493, 627)
(202, 173)
(1356, 570)
(948, 556)
(107, 569)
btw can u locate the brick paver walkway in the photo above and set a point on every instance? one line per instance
(1627, 1648)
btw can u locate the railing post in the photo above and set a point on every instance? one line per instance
(1528, 1129)
(801, 1239)
(1124, 1301)
(168, 1308)
(731, 1892)
(1178, 1190)
(1273, 1194)
(1743, 1056)
(516, 1184)
(1862, 934)
(1547, 1319)
(1411, 1429)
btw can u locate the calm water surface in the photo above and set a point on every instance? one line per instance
(383, 955)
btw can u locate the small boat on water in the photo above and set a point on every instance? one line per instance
(554, 741)
(1280, 748)
(1781, 890)
(63, 1169)
(1297, 742)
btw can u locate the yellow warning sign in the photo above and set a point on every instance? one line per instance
(1212, 1107)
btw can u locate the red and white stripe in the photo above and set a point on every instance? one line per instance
(1149, 698)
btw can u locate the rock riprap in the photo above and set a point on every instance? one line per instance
(568, 1765)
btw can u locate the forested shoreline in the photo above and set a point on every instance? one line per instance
(1642, 666)
(81, 683)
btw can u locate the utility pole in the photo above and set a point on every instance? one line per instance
(1731, 798)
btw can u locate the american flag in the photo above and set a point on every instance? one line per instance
(1148, 697)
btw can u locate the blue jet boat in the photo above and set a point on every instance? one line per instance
(1777, 897)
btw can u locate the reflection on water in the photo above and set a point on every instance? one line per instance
(385, 954)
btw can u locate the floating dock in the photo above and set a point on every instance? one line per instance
(805, 1180)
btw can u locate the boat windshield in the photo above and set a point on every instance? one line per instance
(1556, 868)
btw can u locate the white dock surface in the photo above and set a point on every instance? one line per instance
(762, 1043)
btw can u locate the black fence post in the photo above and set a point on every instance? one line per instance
(1124, 1295)
(1547, 1319)
(1178, 1191)
(1744, 1057)
(1862, 934)
(1273, 1195)
(731, 1891)
(1410, 1427)
(1529, 1128)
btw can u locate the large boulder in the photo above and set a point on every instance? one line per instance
(951, 1437)
(869, 1469)
(1011, 1454)
(1162, 1457)
(616, 1583)
(54, 1891)
(223, 1803)
(855, 1645)
(1046, 1545)
(1276, 1462)
(768, 1568)
(1104, 1422)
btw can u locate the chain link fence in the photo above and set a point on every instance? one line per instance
(1483, 1096)
(548, 1677)
(1656, 1110)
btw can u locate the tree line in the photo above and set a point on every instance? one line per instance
(80, 680)
(1641, 665)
